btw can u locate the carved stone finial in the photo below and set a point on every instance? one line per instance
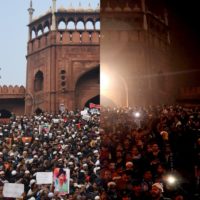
(127, 8)
(98, 7)
(31, 11)
(53, 26)
(108, 7)
(136, 7)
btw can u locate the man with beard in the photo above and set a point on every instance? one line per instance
(156, 192)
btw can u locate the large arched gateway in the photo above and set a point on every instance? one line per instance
(88, 88)
(62, 60)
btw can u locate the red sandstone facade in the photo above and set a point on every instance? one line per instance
(135, 47)
(63, 60)
(12, 99)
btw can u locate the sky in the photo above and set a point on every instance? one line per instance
(14, 19)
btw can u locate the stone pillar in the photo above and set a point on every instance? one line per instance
(145, 26)
(53, 26)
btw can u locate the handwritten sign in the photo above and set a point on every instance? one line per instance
(44, 178)
(13, 190)
(55, 121)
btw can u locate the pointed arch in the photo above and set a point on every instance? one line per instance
(38, 81)
(61, 25)
(89, 25)
(39, 30)
(87, 87)
(71, 25)
(33, 34)
(97, 25)
(80, 25)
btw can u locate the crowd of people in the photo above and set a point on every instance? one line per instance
(45, 142)
(110, 154)
(147, 148)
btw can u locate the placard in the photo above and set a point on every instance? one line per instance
(61, 179)
(44, 178)
(44, 128)
(13, 190)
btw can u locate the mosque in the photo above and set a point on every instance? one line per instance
(63, 62)
(64, 53)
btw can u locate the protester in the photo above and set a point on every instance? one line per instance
(45, 142)
(120, 158)
(147, 146)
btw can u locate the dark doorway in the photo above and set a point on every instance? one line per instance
(38, 82)
(95, 100)
(38, 111)
(88, 88)
(5, 113)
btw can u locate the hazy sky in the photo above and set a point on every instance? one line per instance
(14, 33)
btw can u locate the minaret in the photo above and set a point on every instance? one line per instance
(167, 24)
(31, 11)
(53, 27)
(145, 26)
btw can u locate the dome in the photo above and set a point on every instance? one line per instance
(127, 8)
(89, 9)
(62, 8)
(71, 8)
(98, 8)
(80, 8)
(108, 8)
(117, 9)
(136, 8)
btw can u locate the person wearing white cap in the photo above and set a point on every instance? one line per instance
(32, 198)
(33, 188)
(50, 195)
(156, 192)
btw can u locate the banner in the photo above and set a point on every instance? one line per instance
(44, 178)
(4, 120)
(61, 178)
(44, 128)
(26, 139)
(13, 190)
(92, 105)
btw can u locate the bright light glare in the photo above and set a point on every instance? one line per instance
(171, 180)
(137, 114)
(104, 81)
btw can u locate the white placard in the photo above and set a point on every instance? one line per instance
(55, 121)
(86, 117)
(84, 112)
(44, 178)
(13, 190)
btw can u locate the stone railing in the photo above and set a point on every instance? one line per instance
(12, 90)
